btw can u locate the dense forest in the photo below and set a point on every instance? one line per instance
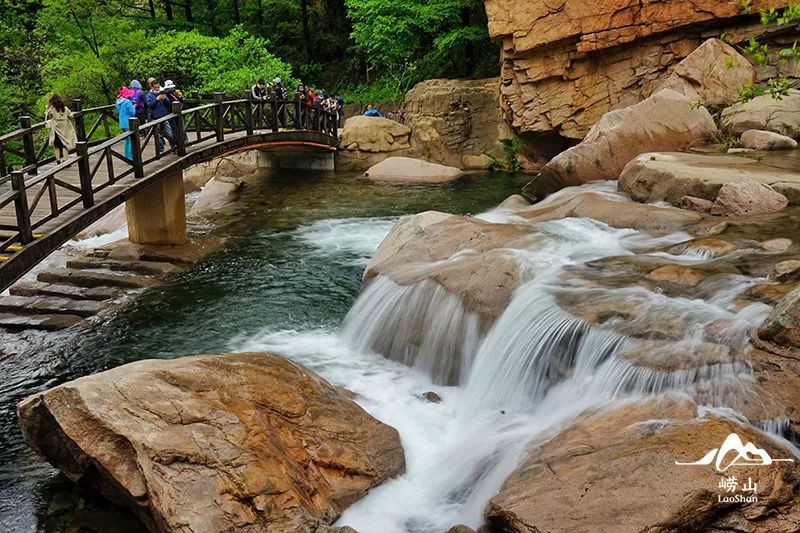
(368, 50)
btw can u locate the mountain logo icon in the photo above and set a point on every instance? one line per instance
(740, 455)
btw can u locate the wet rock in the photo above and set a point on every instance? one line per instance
(142, 267)
(782, 326)
(664, 356)
(787, 271)
(677, 274)
(748, 198)
(712, 74)
(711, 247)
(217, 193)
(671, 176)
(89, 278)
(700, 205)
(431, 397)
(37, 288)
(770, 293)
(48, 305)
(476, 162)
(461, 528)
(777, 373)
(41, 322)
(514, 202)
(183, 254)
(611, 464)
(234, 166)
(767, 140)
(332, 529)
(764, 113)
(776, 245)
(212, 443)
(115, 220)
(412, 171)
(665, 121)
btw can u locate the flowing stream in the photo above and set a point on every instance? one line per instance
(288, 282)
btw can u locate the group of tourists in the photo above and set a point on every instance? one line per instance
(313, 100)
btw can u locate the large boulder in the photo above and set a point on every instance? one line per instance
(564, 64)
(665, 121)
(764, 113)
(366, 141)
(411, 171)
(782, 326)
(653, 177)
(618, 468)
(712, 74)
(246, 442)
(234, 165)
(456, 122)
(744, 198)
(217, 193)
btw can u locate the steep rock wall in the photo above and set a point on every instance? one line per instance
(567, 62)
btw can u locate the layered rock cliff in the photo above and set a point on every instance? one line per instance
(567, 62)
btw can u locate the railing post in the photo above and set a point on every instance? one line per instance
(80, 124)
(318, 118)
(220, 124)
(248, 113)
(298, 113)
(84, 173)
(136, 148)
(273, 104)
(179, 131)
(2, 160)
(21, 207)
(27, 143)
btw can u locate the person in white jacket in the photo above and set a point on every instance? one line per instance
(58, 119)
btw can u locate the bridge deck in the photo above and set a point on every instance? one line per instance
(42, 210)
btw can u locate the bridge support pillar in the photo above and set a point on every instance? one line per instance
(157, 215)
(296, 160)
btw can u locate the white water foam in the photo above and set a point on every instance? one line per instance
(351, 240)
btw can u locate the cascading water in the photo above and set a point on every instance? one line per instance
(534, 370)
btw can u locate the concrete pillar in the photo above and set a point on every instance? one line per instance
(157, 215)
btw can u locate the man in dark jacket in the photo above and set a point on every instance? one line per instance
(159, 105)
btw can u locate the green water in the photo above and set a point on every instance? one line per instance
(269, 275)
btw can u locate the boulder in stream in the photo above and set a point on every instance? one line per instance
(782, 326)
(618, 469)
(764, 113)
(246, 442)
(407, 170)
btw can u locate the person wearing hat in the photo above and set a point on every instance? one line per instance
(139, 101)
(159, 105)
(126, 111)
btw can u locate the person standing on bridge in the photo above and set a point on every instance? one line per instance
(126, 111)
(159, 105)
(58, 119)
(139, 101)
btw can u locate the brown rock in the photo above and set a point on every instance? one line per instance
(764, 113)
(611, 465)
(677, 274)
(700, 205)
(246, 442)
(665, 121)
(712, 74)
(374, 134)
(113, 221)
(777, 245)
(234, 166)
(514, 202)
(782, 326)
(767, 140)
(711, 247)
(411, 171)
(771, 293)
(217, 193)
(669, 177)
(787, 271)
(566, 63)
(748, 198)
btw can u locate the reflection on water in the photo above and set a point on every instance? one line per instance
(272, 274)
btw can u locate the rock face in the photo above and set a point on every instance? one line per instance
(235, 166)
(366, 141)
(744, 198)
(712, 74)
(665, 121)
(411, 171)
(782, 326)
(764, 113)
(566, 63)
(217, 193)
(671, 176)
(767, 140)
(454, 122)
(247, 442)
(612, 465)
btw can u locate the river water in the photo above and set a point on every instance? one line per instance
(288, 282)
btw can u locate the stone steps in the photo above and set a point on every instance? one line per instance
(31, 305)
(91, 279)
(40, 322)
(141, 267)
(60, 290)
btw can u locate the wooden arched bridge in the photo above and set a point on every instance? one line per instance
(43, 204)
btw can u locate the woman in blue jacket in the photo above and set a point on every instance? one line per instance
(126, 111)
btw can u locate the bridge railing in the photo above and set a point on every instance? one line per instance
(33, 196)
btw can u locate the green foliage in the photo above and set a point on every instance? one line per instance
(725, 142)
(778, 88)
(511, 163)
(749, 91)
